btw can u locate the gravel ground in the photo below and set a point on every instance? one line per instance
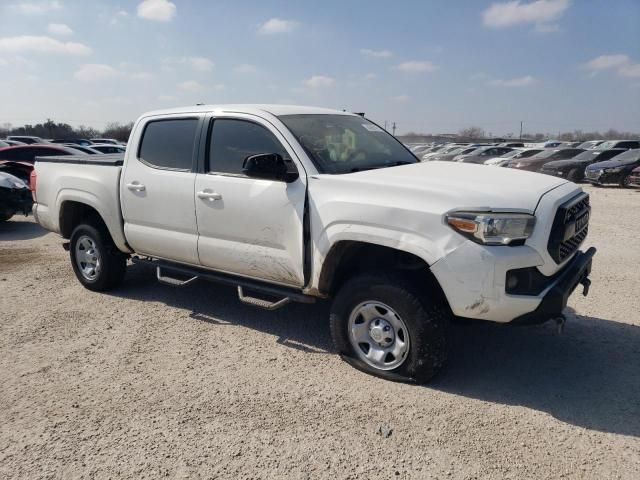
(152, 381)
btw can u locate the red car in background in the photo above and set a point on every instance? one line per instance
(18, 160)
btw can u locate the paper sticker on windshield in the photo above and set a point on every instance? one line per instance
(371, 127)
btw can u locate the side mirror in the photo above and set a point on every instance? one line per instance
(270, 166)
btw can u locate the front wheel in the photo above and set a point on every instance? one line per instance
(383, 325)
(574, 175)
(97, 263)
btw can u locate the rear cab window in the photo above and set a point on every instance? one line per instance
(169, 143)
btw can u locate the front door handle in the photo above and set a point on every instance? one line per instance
(211, 196)
(136, 187)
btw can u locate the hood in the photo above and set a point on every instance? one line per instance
(11, 182)
(439, 187)
(612, 163)
(563, 163)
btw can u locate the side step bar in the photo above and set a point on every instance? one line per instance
(285, 295)
(258, 302)
(173, 281)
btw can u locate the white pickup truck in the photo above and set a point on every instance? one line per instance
(294, 203)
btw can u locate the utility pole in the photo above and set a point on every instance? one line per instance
(394, 129)
(385, 126)
(520, 129)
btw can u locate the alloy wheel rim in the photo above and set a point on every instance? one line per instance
(378, 335)
(88, 258)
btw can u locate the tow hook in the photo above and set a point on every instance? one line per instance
(560, 321)
(586, 283)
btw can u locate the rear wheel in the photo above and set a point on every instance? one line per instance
(383, 325)
(625, 181)
(97, 263)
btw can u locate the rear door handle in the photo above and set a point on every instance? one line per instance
(211, 196)
(136, 187)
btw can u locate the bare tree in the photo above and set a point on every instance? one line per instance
(472, 132)
(118, 131)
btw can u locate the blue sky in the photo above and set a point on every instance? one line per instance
(430, 66)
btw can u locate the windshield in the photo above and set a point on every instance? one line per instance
(510, 154)
(629, 156)
(346, 143)
(544, 154)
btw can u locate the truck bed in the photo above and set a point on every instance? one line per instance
(91, 180)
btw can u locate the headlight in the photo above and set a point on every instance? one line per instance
(492, 228)
(614, 169)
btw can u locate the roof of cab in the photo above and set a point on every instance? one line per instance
(251, 109)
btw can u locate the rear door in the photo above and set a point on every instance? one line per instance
(247, 226)
(157, 188)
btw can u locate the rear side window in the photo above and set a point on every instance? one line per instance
(628, 145)
(169, 143)
(232, 141)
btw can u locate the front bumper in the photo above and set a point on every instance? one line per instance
(600, 177)
(634, 179)
(556, 296)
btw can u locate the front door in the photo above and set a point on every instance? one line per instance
(247, 226)
(157, 191)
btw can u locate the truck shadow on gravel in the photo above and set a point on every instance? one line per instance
(589, 376)
(11, 230)
(297, 326)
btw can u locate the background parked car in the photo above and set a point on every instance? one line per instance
(443, 151)
(26, 139)
(111, 141)
(634, 177)
(19, 160)
(590, 144)
(503, 160)
(619, 144)
(573, 168)
(15, 196)
(88, 150)
(3, 144)
(449, 156)
(107, 148)
(12, 143)
(618, 170)
(77, 141)
(535, 163)
(481, 154)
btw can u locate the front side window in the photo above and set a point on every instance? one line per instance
(232, 141)
(169, 143)
(346, 143)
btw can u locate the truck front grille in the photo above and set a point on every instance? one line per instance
(570, 227)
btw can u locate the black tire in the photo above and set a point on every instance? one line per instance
(574, 175)
(625, 181)
(427, 322)
(113, 263)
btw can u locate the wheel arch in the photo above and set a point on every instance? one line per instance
(77, 207)
(350, 257)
